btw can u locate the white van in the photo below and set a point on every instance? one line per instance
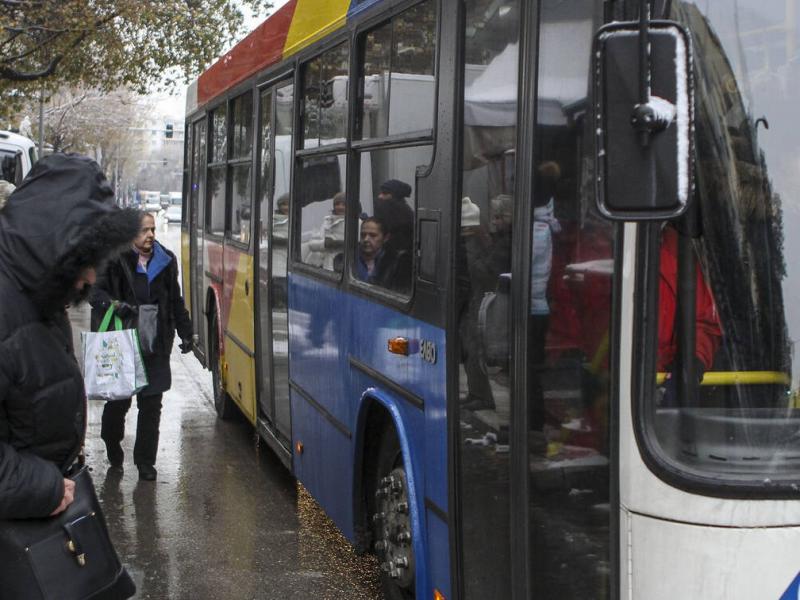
(17, 156)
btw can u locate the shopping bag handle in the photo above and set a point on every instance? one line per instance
(107, 321)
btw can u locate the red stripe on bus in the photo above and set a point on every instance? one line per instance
(260, 49)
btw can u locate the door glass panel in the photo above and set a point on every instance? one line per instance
(740, 424)
(197, 197)
(264, 292)
(216, 200)
(240, 203)
(483, 275)
(568, 324)
(279, 259)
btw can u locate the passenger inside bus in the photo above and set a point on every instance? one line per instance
(393, 210)
(324, 248)
(378, 262)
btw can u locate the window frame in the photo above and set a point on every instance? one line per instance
(300, 154)
(359, 146)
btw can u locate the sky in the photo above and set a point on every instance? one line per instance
(174, 104)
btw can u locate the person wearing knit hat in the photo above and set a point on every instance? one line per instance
(470, 213)
(393, 210)
(397, 189)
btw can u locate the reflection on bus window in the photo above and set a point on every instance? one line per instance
(483, 275)
(740, 420)
(397, 82)
(325, 83)
(240, 203)
(216, 200)
(321, 203)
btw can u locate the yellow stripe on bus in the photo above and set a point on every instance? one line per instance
(313, 20)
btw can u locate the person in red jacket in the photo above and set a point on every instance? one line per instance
(707, 328)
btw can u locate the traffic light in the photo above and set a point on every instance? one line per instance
(168, 132)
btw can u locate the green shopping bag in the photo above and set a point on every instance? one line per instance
(113, 367)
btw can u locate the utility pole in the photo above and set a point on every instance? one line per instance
(41, 122)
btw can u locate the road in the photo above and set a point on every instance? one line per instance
(224, 520)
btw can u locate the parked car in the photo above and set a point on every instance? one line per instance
(174, 213)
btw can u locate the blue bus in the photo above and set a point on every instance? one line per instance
(507, 285)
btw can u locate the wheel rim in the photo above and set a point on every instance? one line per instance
(394, 543)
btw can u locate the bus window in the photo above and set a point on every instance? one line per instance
(321, 211)
(397, 82)
(325, 84)
(240, 167)
(215, 214)
(383, 256)
(738, 421)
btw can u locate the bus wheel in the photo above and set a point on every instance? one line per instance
(222, 402)
(392, 522)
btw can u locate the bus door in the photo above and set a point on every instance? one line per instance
(534, 289)
(275, 118)
(196, 200)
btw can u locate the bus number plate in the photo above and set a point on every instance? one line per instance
(427, 351)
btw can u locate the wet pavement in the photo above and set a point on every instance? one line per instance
(224, 520)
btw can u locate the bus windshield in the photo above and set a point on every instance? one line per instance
(742, 423)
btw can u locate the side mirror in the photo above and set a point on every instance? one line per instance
(644, 115)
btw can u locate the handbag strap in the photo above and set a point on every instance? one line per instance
(128, 276)
(107, 320)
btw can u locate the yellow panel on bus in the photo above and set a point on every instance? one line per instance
(239, 374)
(313, 20)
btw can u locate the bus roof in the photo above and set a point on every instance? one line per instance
(296, 25)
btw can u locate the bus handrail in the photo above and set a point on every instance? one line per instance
(738, 378)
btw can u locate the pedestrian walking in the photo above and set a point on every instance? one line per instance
(143, 278)
(56, 228)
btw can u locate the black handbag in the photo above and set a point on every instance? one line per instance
(66, 557)
(146, 322)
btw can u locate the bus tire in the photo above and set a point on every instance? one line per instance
(222, 401)
(391, 522)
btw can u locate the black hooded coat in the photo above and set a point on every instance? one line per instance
(60, 221)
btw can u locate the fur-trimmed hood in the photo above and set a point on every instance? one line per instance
(60, 220)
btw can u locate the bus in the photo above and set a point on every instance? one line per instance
(507, 285)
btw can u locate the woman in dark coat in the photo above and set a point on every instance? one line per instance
(55, 228)
(147, 273)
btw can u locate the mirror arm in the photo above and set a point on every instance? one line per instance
(640, 114)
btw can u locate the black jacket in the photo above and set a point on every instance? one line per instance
(58, 222)
(121, 281)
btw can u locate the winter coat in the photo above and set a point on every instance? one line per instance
(60, 221)
(125, 281)
(398, 219)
